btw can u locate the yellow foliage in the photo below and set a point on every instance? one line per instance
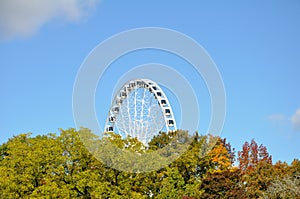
(220, 158)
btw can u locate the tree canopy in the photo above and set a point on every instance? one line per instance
(61, 166)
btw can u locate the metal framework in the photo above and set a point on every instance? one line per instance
(140, 109)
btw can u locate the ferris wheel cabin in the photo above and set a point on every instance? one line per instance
(109, 129)
(112, 119)
(163, 102)
(116, 109)
(123, 94)
(167, 112)
(170, 122)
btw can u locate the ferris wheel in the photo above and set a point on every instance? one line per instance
(140, 109)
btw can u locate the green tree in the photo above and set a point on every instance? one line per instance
(52, 166)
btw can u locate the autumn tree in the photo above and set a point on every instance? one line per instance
(225, 184)
(221, 158)
(281, 188)
(251, 155)
(256, 166)
(294, 167)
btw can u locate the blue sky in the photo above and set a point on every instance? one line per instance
(255, 45)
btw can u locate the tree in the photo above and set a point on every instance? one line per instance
(281, 188)
(50, 165)
(256, 166)
(26, 165)
(251, 155)
(220, 157)
(295, 167)
(61, 166)
(172, 185)
(230, 150)
(225, 184)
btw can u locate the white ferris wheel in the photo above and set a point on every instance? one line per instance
(140, 109)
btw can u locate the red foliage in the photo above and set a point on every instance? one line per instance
(251, 155)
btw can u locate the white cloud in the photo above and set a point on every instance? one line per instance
(277, 117)
(282, 120)
(296, 120)
(19, 18)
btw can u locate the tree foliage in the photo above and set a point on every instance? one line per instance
(251, 155)
(61, 166)
(285, 187)
(225, 184)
